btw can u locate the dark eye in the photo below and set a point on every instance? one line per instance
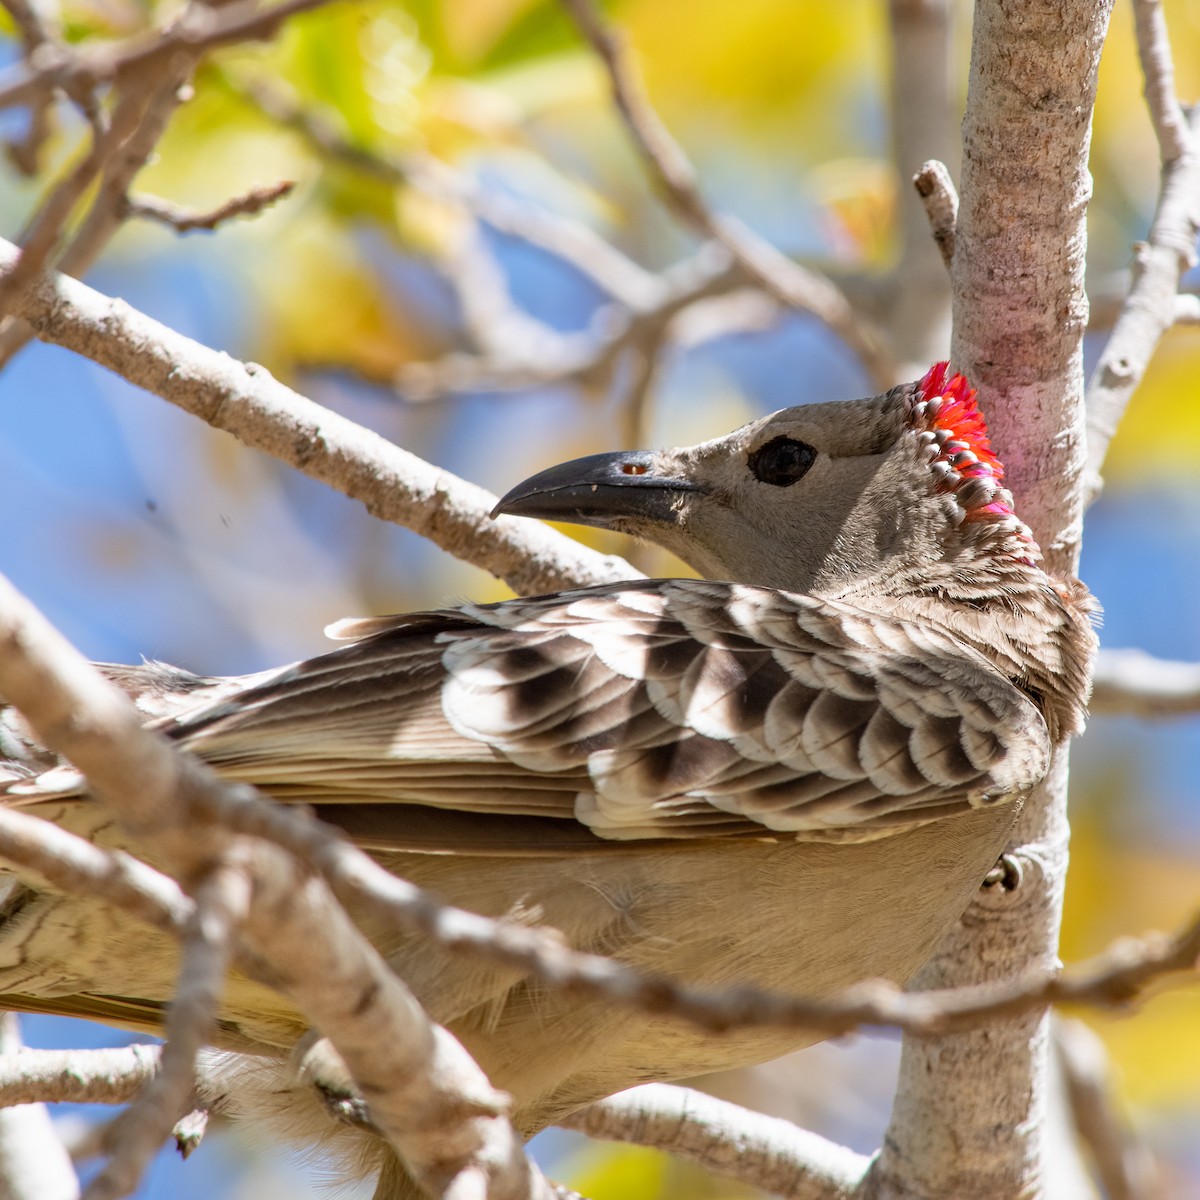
(782, 461)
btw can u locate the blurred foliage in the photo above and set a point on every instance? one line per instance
(176, 543)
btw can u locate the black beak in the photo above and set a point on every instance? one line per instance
(602, 489)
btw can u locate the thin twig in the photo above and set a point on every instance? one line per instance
(222, 902)
(790, 283)
(40, 238)
(936, 189)
(1158, 71)
(184, 220)
(205, 28)
(1151, 305)
(1187, 309)
(38, 22)
(571, 242)
(149, 97)
(1124, 1163)
(764, 1152)
(72, 864)
(534, 355)
(519, 352)
(1131, 682)
(34, 1163)
(35, 25)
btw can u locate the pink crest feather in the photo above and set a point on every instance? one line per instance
(948, 418)
(959, 414)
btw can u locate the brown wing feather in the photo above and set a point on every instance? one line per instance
(679, 709)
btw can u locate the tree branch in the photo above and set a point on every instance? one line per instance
(571, 242)
(427, 1097)
(675, 177)
(150, 89)
(940, 201)
(1150, 308)
(222, 902)
(243, 399)
(39, 24)
(34, 1164)
(110, 1076)
(1125, 1166)
(185, 220)
(534, 355)
(763, 1152)
(204, 27)
(1158, 71)
(71, 864)
(1131, 682)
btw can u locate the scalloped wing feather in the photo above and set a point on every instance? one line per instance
(679, 709)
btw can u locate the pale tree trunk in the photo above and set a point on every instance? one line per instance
(970, 1114)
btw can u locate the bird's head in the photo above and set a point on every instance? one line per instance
(881, 496)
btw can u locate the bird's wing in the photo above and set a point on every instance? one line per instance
(677, 709)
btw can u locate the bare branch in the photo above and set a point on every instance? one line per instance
(1124, 1164)
(40, 238)
(426, 1095)
(35, 22)
(1187, 309)
(534, 355)
(222, 901)
(787, 281)
(572, 242)
(34, 1164)
(149, 97)
(243, 399)
(184, 220)
(1115, 977)
(1151, 305)
(204, 27)
(72, 864)
(925, 112)
(936, 189)
(764, 1152)
(519, 352)
(1131, 682)
(38, 23)
(1154, 50)
(109, 1076)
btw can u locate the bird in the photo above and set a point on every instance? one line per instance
(793, 772)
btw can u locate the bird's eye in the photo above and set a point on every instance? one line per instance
(782, 461)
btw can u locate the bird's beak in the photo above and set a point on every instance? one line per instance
(608, 490)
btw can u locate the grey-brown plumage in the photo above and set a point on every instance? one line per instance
(796, 780)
